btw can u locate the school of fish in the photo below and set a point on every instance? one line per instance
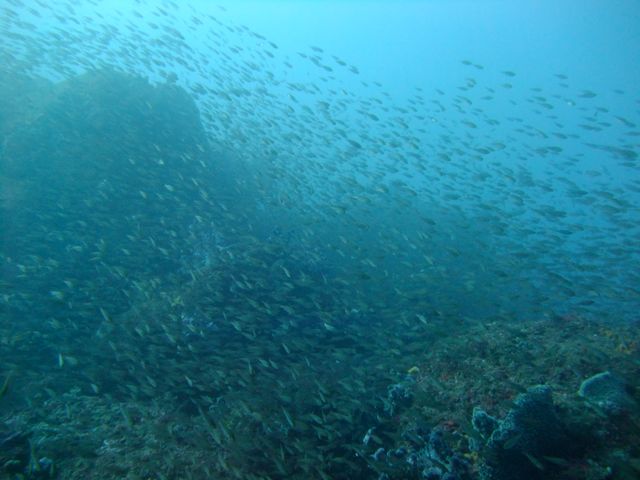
(272, 267)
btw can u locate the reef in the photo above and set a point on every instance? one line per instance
(160, 333)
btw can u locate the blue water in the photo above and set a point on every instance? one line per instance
(261, 215)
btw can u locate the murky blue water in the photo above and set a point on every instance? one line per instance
(250, 220)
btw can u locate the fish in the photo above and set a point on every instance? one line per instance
(412, 218)
(5, 385)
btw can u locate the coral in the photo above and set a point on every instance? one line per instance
(484, 423)
(399, 396)
(531, 430)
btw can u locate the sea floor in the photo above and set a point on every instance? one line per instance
(422, 425)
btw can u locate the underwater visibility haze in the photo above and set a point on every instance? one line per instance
(319, 240)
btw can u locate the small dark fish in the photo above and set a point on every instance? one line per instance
(587, 94)
(5, 385)
(557, 461)
(536, 463)
(509, 444)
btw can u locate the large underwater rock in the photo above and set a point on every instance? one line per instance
(104, 179)
(90, 125)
